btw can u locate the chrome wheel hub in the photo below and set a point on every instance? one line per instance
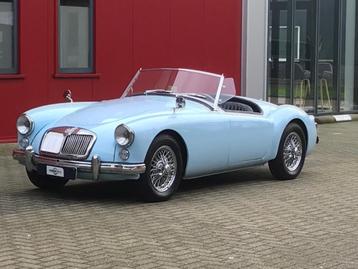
(163, 168)
(292, 151)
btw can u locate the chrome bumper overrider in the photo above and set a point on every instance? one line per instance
(95, 166)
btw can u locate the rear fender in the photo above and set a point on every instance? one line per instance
(282, 117)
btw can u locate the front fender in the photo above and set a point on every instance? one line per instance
(145, 132)
(204, 135)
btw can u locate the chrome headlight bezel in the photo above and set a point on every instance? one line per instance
(24, 124)
(123, 135)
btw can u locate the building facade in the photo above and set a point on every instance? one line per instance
(308, 53)
(93, 47)
(301, 52)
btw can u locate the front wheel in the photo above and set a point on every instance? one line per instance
(164, 169)
(46, 182)
(291, 153)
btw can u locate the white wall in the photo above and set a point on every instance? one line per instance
(349, 55)
(254, 48)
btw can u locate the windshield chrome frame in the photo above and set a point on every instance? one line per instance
(129, 87)
(218, 91)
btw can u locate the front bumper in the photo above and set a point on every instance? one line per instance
(95, 168)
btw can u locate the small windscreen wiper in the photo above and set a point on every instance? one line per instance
(197, 95)
(202, 96)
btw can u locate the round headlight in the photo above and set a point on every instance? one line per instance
(24, 124)
(124, 136)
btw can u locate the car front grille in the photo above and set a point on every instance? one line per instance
(67, 142)
(76, 144)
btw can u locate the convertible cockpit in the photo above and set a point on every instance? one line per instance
(237, 104)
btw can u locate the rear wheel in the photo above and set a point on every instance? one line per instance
(46, 182)
(291, 153)
(164, 168)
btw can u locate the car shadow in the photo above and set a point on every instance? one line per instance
(85, 191)
(127, 191)
(243, 177)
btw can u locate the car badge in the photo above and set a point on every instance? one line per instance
(55, 171)
(70, 131)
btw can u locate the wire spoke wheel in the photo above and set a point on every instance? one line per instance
(163, 168)
(292, 151)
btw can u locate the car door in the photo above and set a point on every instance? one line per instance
(206, 137)
(250, 138)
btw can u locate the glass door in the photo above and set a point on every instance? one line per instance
(327, 54)
(279, 52)
(304, 40)
(313, 55)
(349, 57)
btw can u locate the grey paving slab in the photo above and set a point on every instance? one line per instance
(244, 219)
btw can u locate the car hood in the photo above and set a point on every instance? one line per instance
(118, 110)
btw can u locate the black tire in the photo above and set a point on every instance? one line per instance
(167, 171)
(46, 182)
(291, 153)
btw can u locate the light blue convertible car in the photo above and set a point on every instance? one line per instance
(170, 124)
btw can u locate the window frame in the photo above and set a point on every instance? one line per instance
(15, 42)
(91, 65)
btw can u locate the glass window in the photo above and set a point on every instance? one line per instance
(75, 36)
(319, 72)
(8, 36)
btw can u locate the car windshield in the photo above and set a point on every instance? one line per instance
(211, 87)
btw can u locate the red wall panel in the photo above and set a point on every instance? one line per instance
(114, 48)
(151, 33)
(187, 34)
(200, 34)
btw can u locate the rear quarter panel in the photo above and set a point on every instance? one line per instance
(281, 117)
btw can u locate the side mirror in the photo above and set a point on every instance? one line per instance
(179, 102)
(67, 95)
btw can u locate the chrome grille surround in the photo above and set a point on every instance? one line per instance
(68, 143)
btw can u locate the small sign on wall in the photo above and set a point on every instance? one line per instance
(342, 117)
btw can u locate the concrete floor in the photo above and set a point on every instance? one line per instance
(239, 220)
